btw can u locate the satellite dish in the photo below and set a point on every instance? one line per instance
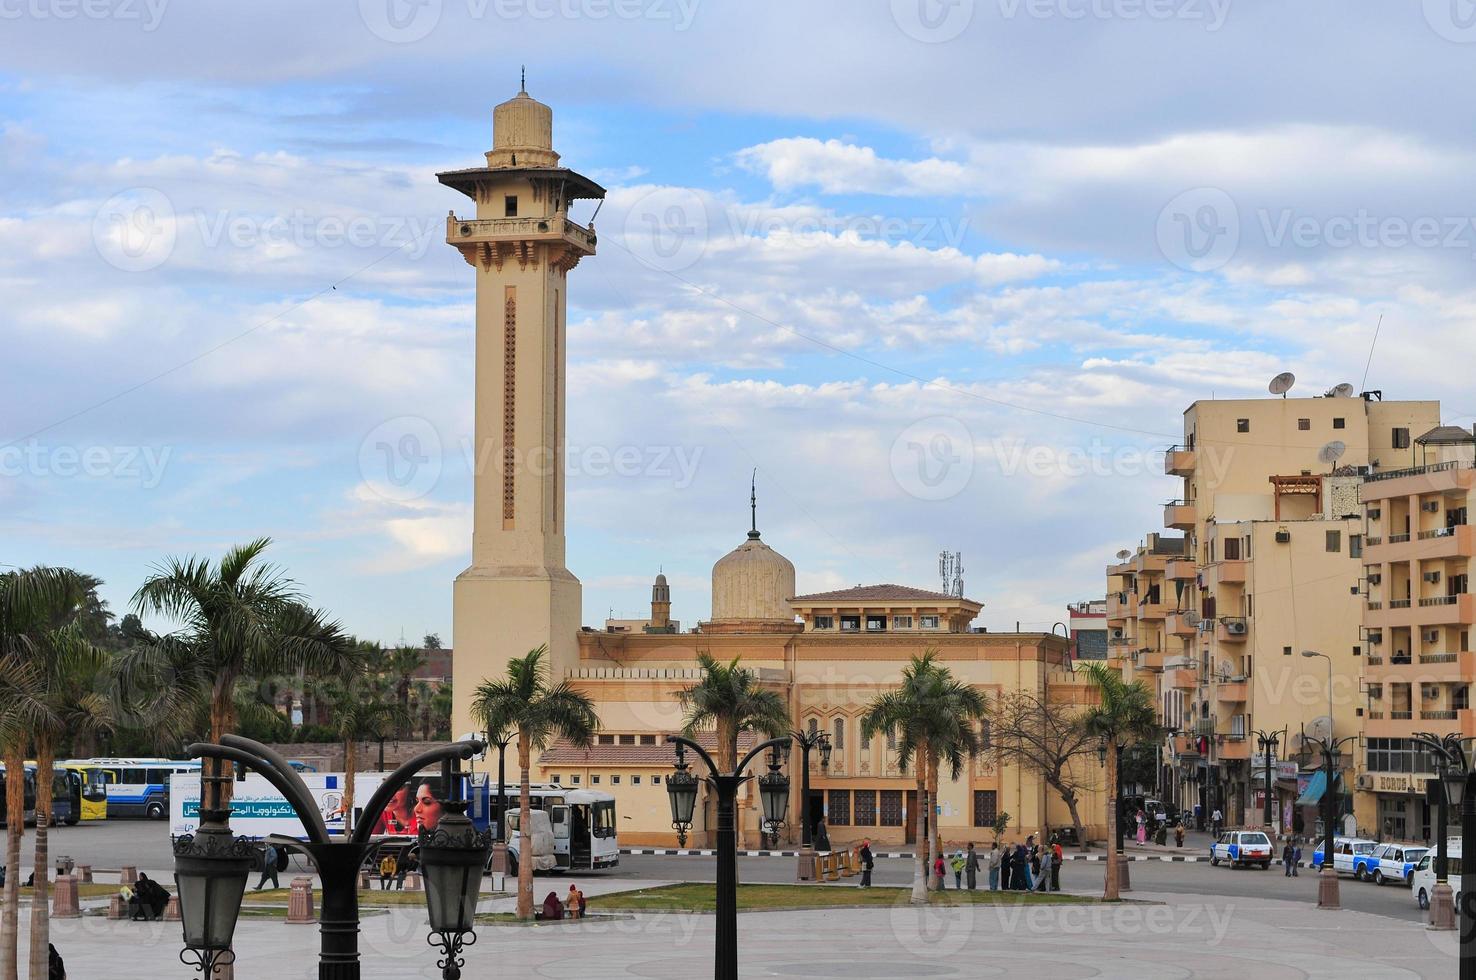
(1191, 617)
(1332, 452)
(1124, 555)
(1319, 727)
(1282, 383)
(1344, 390)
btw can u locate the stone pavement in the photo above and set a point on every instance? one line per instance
(1186, 936)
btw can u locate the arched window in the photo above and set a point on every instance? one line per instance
(814, 725)
(892, 740)
(838, 740)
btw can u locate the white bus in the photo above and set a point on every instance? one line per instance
(1422, 881)
(583, 820)
(134, 787)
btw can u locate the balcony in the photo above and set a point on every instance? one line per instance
(1230, 572)
(1232, 629)
(1231, 692)
(1179, 461)
(1181, 624)
(1150, 660)
(1457, 610)
(1429, 545)
(1179, 515)
(1151, 610)
(1183, 678)
(1185, 744)
(1122, 605)
(1231, 747)
(1181, 570)
(501, 238)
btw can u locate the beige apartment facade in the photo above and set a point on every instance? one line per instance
(1272, 566)
(1417, 625)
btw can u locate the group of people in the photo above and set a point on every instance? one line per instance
(571, 907)
(146, 899)
(392, 870)
(1015, 867)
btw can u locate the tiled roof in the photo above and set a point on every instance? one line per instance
(880, 593)
(1446, 434)
(562, 753)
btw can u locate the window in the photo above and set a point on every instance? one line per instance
(850, 624)
(814, 725)
(594, 779)
(1401, 438)
(1334, 541)
(891, 810)
(891, 740)
(824, 622)
(1232, 549)
(555, 778)
(607, 739)
(865, 805)
(986, 807)
(838, 740)
(1340, 423)
(838, 809)
(1242, 425)
(1355, 546)
(614, 780)
(876, 624)
(648, 739)
(635, 780)
(928, 622)
(901, 622)
(1304, 425)
(627, 740)
(574, 780)
(510, 206)
(656, 780)
(865, 741)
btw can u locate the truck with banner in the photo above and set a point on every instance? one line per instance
(258, 810)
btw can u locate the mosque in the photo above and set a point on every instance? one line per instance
(827, 654)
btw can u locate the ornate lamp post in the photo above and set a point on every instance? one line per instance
(1268, 742)
(774, 794)
(452, 857)
(807, 741)
(337, 862)
(211, 867)
(499, 840)
(1451, 766)
(681, 792)
(1327, 881)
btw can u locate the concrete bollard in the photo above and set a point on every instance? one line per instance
(363, 881)
(129, 875)
(64, 898)
(412, 881)
(499, 857)
(300, 902)
(84, 872)
(117, 909)
(805, 865)
(171, 911)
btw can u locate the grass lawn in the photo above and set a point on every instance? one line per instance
(702, 897)
(85, 889)
(368, 899)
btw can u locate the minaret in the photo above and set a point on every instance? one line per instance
(660, 604)
(517, 594)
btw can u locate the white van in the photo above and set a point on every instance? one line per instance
(1422, 880)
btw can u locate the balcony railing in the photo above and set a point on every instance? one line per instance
(1416, 471)
(1371, 541)
(1398, 538)
(1376, 716)
(1401, 715)
(1399, 603)
(1440, 532)
(1439, 658)
(1440, 600)
(1374, 661)
(1437, 715)
(1375, 604)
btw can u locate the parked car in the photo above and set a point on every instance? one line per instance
(1392, 862)
(1346, 851)
(1241, 849)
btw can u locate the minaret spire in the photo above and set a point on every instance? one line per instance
(753, 531)
(523, 79)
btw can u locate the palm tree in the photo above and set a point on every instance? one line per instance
(1124, 715)
(525, 702)
(242, 618)
(361, 709)
(401, 663)
(730, 700)
(934, 719)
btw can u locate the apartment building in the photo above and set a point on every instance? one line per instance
(1417, 625)
(1271, 566)
(1086, 624)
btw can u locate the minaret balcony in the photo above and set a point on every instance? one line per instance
(489, 231)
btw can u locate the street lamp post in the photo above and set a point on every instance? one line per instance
(1327, 882)
(774, 794)
(499, 841)
(206, 862)
(1268, 742)
(807, 741)
(1451, 765)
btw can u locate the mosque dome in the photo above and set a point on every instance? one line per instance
(522, 134)
(753, 582)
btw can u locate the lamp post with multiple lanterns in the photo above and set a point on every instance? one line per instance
(1268, 742)
(681, 787)
(211, 865)
(807, 741)
(1451, 764)
(1328, 896)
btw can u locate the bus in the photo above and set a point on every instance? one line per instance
(583, 820)
(91, 791)
(134, 787)
(64, 809)
(29, 796)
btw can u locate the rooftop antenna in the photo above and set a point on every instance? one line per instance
(753, 531)
(1282, 383)
(950, 570)
(1344, 390)
(1331, 453)
(1124, 555)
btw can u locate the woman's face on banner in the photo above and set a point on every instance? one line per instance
(427, 807)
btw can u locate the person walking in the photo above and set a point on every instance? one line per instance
(268, 868)
(1032, 862)
(1179, 834)
(1058, 855)
(1046, 860)
(1296, 859)
(1142, 834)
(1286, 858)
(1007, 867)
(993, 863)
(1021, 876)
(1217, 819)
(868, 861)
(971, 866)
(939, 867)
(55, 968)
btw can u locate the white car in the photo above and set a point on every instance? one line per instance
(1393, 862)
(1241, 849)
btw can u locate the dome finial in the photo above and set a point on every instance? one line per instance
(523, 79)
(753, 531)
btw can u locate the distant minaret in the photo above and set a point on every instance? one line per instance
(521, 245)
(660, 604)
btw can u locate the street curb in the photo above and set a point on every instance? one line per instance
(689, 852)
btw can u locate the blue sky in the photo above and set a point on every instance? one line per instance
(946, 273)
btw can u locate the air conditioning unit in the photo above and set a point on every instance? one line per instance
(1375, 578)
(1432, 636)
(1432, 577)
(1430, 691)
(1283, 537)
(1375, 513)
(1376, 638)
(1235, 628)
(1430, 506)
(1363, 781)
(1117, 633)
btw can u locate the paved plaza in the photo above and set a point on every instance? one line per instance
(1158, 935)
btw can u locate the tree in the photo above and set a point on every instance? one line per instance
(525, 702)
(432, 641)
(933, 718)
(242, 618)
(1124, 715)
(401, 663)
(1044, 737)
(729, 700)
(361, 709)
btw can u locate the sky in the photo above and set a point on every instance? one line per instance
(946, 273)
